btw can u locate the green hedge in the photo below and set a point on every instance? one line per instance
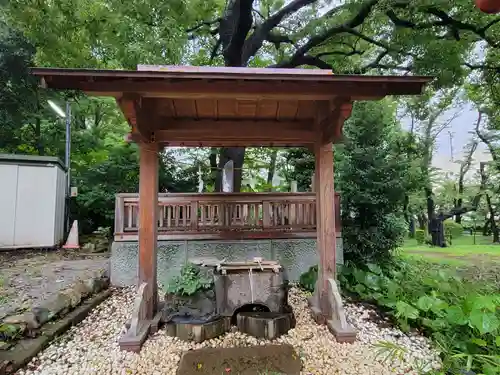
(420, 236)
(453, 229)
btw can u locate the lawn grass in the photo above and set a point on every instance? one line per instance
(461, 246)
(436, 258)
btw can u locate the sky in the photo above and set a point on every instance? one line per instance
(460, 129)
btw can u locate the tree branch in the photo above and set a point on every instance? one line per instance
(277, 39)
(482, 67)
(261, 33)
(446, 21)
(201, 24)
(486, 141)
(304, 60)
(459, 25)
(348, 27)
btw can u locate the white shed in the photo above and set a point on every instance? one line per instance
(32, 201)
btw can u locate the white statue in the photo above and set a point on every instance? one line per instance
(200, 180)
(227, 177)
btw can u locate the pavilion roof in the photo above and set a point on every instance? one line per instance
(221, 106)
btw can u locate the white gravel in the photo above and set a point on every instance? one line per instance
(92, 346)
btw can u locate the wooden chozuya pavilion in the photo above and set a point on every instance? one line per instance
(226, 107)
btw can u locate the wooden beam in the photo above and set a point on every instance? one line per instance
(232, 132)
(244, 89)
(325, 220)
(148, 225)
(224, 125)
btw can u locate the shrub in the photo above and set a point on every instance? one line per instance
(371, 179)
(190, 282)
(307, 280)
(453, 229)
(420, 236)
(461, 317)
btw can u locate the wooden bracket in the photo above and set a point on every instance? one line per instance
(140, 116)
(332, 125)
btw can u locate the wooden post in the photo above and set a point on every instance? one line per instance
(148, 225)
(325, 220)
(292, 219)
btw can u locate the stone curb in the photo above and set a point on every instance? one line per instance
(28, 324)
(20, 355)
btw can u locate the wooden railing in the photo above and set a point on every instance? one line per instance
(223, 216)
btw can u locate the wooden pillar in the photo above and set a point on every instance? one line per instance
(148, 224)
(325, 220)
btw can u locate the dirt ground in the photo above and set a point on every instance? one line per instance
(28, 277)
(257, 360)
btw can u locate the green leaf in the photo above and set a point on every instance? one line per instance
(455, 315)
(497, 340)
(484, 322)
(434, 324)
(406, 311)
(374, 268)
(387, 302)
(372, 281)
(360, 289)
(424, 303)
(484, 302)
(479, 342)
(359, 275)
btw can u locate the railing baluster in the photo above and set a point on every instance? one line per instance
(184, 215)
(266, 214)
(161, 215)
(129, 221)
(222, 213)
(194, 215)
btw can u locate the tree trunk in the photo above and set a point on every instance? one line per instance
(213, 166)
(458, 205)
(486, 227)
(493, 223)
(436, 227)
(422, 221)
(430, 206)
(237, 155)
(272, 169)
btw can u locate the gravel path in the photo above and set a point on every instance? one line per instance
(30, 277)
(92, 346)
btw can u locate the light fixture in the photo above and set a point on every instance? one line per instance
(56, 109)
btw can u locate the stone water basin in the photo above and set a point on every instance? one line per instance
(258, 291)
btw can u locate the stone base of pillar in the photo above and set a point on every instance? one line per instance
(335, 318)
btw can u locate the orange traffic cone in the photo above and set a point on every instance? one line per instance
(72, 241)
